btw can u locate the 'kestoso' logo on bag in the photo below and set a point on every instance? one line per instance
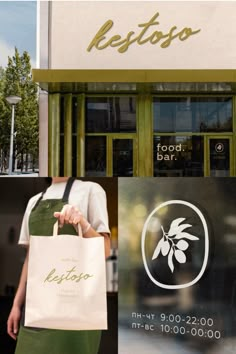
(175, 244)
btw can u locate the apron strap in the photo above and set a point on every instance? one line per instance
(38, 201)
(66, 194)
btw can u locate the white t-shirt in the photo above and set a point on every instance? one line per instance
(88, 197)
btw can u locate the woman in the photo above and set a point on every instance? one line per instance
(72, 202)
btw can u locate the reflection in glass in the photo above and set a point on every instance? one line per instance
(192, 114)
(74, 114)
(110, 114)
(219, 158)
(62, 114)
(178, 156)
(123, 157)
(74, 155)
(197, 87)
(200, 319)
(95, 156)
(61, 167)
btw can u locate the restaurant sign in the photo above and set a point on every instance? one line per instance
(142, 35)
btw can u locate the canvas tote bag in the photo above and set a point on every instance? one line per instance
(66, 285)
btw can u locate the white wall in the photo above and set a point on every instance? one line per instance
(75, 23)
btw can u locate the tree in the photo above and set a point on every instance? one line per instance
(18, 81)
(4, 124)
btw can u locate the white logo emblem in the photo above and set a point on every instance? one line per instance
(173, 244)
(219, 147)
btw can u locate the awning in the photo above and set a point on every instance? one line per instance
(156, 81)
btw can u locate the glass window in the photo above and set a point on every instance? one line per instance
(198, 319)
(62, 115)
(123, 157)
(219, 158)
(61, 167)
(192, 114)
(74, 114)
(178, 156)
(110, 114)
(74, 155)
(95, 156)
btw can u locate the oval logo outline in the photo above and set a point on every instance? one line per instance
(206, 252)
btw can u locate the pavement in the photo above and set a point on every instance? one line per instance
(30, 174)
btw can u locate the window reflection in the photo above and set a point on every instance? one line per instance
(95, 156)
(199, 319)
(110, 114)
(178, 156)
(123, 157)
(219, 158)
(192, 114)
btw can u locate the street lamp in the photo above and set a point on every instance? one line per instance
(12, 100)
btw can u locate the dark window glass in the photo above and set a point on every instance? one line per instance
(123, 157)
(74, 114)
(178, 156)
(192, 114)
(95, 156)
(61, 168)
(110, 114)
(196, 319)
(219, 158)
(62, 114)
(74, 155)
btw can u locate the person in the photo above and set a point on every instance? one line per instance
(71, 201)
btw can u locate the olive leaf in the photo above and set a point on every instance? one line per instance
(170, 260)
(176, 222)
(186, 235)
(167, 245)
(158, 248)
(177, 229)
(165, 248)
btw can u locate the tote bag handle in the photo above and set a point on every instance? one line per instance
(55, 229)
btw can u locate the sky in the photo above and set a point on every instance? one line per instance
(17, 29)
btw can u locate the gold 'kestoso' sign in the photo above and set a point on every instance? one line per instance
(102, 41)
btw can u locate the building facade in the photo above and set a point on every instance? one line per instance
(137, 88)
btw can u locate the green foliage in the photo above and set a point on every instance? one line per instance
(16, 79)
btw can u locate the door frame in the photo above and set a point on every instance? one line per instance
(109, 151)
(207, 169)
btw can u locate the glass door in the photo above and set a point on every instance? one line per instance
(111, 155)
(219, 156)
(110, 136)
(122, 157)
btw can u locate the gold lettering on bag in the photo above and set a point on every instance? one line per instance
(69, 276)
(101, 41)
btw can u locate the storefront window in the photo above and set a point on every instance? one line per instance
(95, 156)
(110, 114)
(74, 115)
(219, 158)
(178, 156)
(62, 115)
(192, 114)
(123, 157)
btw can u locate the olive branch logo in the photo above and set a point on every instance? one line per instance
(173, 243)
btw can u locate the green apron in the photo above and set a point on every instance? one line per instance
(50, 341)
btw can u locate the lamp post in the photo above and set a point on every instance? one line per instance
(12, 100)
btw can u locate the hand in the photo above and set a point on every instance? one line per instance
(71, 215)
(13, 322)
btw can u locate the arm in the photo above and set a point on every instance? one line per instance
(71, 215)
(107, 242)
(15, 314)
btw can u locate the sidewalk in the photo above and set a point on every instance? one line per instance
(24, 174)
